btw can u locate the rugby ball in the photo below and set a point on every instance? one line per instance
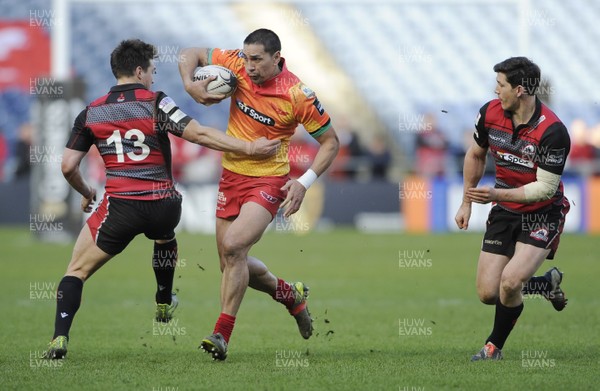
(225, 83)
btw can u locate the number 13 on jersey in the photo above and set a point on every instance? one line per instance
(138, 138)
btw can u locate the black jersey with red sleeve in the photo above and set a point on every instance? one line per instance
(130, 127)
(518, 151)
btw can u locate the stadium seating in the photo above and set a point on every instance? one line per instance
(433, 56)
(406, 57)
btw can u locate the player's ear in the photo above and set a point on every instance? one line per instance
(138, 72)
(520, 91)
(277, 57)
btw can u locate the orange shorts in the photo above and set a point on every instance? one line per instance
(235, 190)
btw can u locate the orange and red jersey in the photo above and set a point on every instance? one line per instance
(273, 110)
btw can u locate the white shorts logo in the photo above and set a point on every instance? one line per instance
(268, 197)
(540, 234)
(221, 199)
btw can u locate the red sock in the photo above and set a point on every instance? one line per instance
(284, 294)
(225, 325)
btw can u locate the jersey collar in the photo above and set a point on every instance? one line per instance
(534, 118)
(127, 87)
(531, 124)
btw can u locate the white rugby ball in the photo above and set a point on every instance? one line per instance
(225, 83)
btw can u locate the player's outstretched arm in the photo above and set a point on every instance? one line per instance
(70, 168)
(473, 169)
(189, 60)
(217, 140)
(296, 188)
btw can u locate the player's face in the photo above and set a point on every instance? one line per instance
(260, 65)
(147, 76)
(508, 95)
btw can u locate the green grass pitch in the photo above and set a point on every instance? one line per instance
(393, 312)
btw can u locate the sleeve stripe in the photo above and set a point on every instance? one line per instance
(321, 130)
(209, 55)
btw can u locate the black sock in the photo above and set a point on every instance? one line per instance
(504, 321)
(68, 299)
(164, 261)
(537, 285)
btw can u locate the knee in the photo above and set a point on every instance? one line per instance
(510, 285)
(232, 249)
(487, 292)
(488, 297)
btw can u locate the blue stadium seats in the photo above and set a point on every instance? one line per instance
(430, 56)
(435, 56)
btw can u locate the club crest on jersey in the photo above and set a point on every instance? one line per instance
(254, 114)
(528, 152)
(278, 110)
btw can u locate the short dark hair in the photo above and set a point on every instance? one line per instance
(130, 54)
(521, 71)
(265, 37)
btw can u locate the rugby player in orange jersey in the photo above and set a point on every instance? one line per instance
(270, 102)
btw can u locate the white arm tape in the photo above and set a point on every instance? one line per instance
(543, 188)
(307, 178)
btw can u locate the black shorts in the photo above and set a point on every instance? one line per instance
(116, 221)
(540, 229)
